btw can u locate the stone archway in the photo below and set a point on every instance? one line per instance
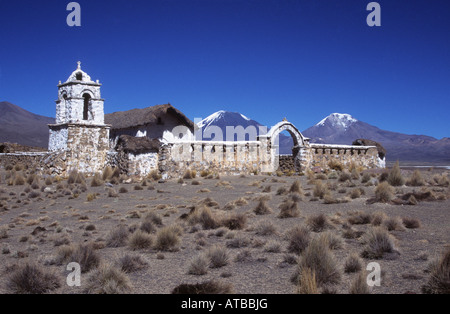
(298, 150)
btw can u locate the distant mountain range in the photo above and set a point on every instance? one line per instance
(20, 126)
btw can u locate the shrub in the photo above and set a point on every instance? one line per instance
(416, 179)
(117, 237)
(123, 190)
(392, 224)
(439, 281)
(91, 197)
(112, 192)
(353, 264)
(273, 247)
(167, 239)
(238, 242)
(262, 208)
(307, 283)
(107, 173)
(359, 285)
(395, 177)
(189, 174)
(32, 279)
(19, 180)
(318, 223)
(282, 191)
(131, 263)
(288, 209)
(299, 238)
(378, 242)
(147, 226)
(83, 254)
(140, 240)
(107, 279)
(154, 175)
(318, 257)
(154, 218)
(199, 265)
(334, 241)
(3, 232)
(335, 165)
(265, 228)
(218, 256)
(320, 189)
(208, 287)
(365, 178)
(411, 223)
(384, 192)
(345, 176)
(205, 217)
(235, 221)
(360, 218)
(296, 187)
(355, 193)
(378, 218)
(97, 180)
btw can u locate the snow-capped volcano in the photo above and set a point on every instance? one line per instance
(338, 120)
(220, 116)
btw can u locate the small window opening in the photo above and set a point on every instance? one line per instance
(87, 99)
(79, 76)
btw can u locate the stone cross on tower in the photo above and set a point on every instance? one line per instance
(79, 65)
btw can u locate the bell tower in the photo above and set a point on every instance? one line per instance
(80, 128)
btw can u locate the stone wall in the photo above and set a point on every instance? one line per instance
(87, 148)
(227, 158)
(364, 156)
(49, 162)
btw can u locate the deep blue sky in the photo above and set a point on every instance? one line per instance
(268, 59)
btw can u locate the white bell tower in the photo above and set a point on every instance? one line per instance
(80, 128)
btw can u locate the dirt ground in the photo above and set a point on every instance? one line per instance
(67, 216)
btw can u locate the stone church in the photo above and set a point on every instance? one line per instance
(161, 138)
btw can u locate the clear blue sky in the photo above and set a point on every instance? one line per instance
(268, 59)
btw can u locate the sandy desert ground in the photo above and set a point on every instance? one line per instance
(242, 234)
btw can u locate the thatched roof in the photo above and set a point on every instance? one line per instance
(138, 145)
(366, 142)
(149, 115)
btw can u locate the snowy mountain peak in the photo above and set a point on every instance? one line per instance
(341, 120)
(222, 115)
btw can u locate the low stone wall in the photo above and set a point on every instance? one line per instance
(51, 162)
(364, 156)
(227, 158)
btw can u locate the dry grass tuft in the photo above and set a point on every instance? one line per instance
(235, 221)
(319, 223)
(307, 283)
(411, 223)
(97, 180)
(32, 279)
(319, 258)
(288, 209)
(199, 265)
(299, 238)
(265, 228)
(353, 264)
(140, 240)
(384, 192)
(416, 179)
(218, 256)
(208, 287)
(359, 285)
(439, 281)
(296, 187)
(131, 263)
(107, 279)
(395, 177)
(168, 238)
(378, 243)
(262, 208)
(320, 189)
(118, 237)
